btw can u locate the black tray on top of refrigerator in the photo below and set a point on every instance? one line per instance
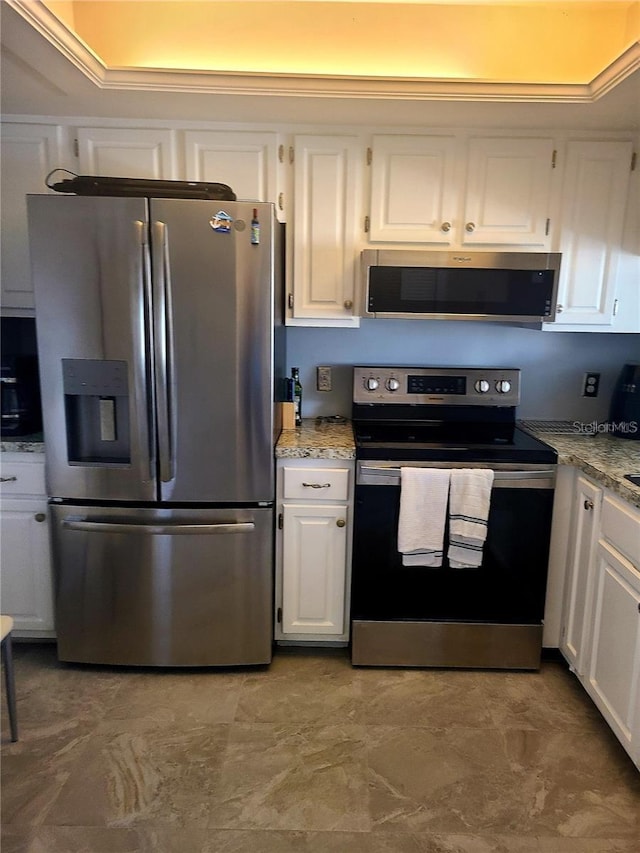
(113, 186)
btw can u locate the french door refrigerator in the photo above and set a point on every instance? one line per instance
(159, 325)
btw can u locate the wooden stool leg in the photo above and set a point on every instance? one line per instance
(7, 659)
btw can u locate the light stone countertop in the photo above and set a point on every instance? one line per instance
(24, 444)
(605, 458)
(317, 439)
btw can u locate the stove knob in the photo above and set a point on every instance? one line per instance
(371, 383)
(481, 386)
(393, 384)
(503, 386)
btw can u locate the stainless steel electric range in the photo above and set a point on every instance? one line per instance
(488, 616)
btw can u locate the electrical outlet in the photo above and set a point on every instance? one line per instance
(323, 378)
(590, 385)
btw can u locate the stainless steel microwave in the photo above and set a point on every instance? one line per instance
(498, 286)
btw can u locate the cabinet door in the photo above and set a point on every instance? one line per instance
(127, 152)
(327, 180)
(413, 194)
(508, 191)
(594, 200)
(25, 584)
(614, 666)
(29, 153)
(247, 162)
(314, 549)
(578, 592)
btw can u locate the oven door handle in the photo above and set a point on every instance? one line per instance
(369, 475)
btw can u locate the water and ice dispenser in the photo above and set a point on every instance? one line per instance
(96, 396)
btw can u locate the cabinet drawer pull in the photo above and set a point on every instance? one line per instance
(317, 485)
(588, 504)
(341, 522)
(12, 479)
(40, 516)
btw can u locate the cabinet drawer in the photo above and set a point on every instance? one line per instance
(621, 526)
(22, 478)
(316, 483)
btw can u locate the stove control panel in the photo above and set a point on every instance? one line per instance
(451, 386)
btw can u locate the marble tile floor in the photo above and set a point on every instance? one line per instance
(310, 755)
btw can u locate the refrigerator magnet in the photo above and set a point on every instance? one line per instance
(221, 222)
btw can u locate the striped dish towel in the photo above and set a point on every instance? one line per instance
(469, 501)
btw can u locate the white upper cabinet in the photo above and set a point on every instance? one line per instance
(594, 201)
(508, 192)
(127, 152)
(323, 264)
(247, 161)
(29, 153)
(414, 197)
(419, 193)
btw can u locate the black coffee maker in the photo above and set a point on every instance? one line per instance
(624, 415)
(20, 403)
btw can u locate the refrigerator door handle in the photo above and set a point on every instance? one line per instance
(179, 528)
(144, 360)
(165, 389)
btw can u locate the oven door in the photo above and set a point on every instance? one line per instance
(486, 616)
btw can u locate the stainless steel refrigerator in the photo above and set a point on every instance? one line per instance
(159, 325)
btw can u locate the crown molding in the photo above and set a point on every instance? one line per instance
(312, 85)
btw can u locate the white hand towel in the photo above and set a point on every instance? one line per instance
(469, 501)
(423, 507)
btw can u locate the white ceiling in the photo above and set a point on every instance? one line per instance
(37, 79)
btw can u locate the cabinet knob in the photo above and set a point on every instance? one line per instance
(559, 309)
(341, 522)
(446, 226)
(470, 226)
(348, 303)
(588, 504)
(40, 516)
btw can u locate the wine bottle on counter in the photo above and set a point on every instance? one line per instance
(297, 394)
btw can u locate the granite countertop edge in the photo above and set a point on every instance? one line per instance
(606, 459)
(317, 439)
(603, 458)
(21, 446)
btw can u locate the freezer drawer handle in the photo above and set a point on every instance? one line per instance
(74, 523)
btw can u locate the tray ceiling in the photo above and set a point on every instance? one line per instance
(496, 52)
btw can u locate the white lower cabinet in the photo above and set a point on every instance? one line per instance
(601, 617)
(613, 675)
(313, 551)
(25, 580)
(584, 537)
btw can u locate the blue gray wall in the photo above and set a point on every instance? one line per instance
(552, 363)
